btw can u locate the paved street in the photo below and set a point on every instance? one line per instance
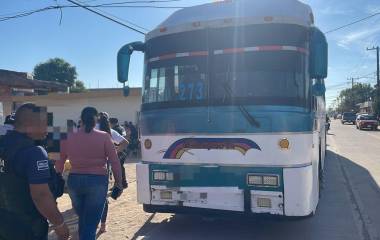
(349, 208)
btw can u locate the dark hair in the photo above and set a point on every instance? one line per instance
(88, 118)
(104, 122)
(19, 116)
(114, 121)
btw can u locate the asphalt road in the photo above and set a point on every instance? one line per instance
(349, 208)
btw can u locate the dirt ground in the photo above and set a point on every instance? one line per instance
(126, 218)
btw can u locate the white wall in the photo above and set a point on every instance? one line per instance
(122, 108)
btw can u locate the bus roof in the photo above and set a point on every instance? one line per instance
(235, 12)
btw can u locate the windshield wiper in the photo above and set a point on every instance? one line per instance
(252, 121)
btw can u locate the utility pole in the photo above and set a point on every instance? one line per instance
(378, 75)
(352, 81)
(378, 67)
(352, 90)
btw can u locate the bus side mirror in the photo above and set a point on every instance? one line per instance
(318, 55)
(124, 57)
(319, 88)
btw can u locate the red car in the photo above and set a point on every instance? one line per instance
(367, 121)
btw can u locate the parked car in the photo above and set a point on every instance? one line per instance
(348, 117)
(366, 121)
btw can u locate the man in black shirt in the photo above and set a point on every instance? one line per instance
(26, 202)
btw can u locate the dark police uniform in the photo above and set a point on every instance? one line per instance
(21, 163)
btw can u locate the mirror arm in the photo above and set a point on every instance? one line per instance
(123, 58)
(129, 48)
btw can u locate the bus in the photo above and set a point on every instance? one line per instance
(233, 109)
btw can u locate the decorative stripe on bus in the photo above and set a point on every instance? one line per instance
(179, 55)
(230, 51)
(177, 149)
(261, 49)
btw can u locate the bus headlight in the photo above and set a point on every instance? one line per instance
(270, 181)
(169, 176)
(166, 195)
(163, 176)
(263, 180)
(255, 180)
(264, 202)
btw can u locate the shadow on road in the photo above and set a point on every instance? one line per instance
(337, 216)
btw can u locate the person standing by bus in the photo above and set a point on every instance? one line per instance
(122, 150)
(89, 150)
(121, 145)
(114, 122)
(26, 201)
(104, 125)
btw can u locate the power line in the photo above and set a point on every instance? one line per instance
(146, 1)
(104, 16)
(358, 67)
(28, 13)
(124, 20)
(336, 86)
(121, 19)
(366, 76)
(24, 14)
(114, 4)
(352, 23)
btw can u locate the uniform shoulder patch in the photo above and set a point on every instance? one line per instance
(42, 165)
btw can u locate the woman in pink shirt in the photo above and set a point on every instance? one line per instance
(89, 150)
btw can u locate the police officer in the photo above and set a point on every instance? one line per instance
(26, 202)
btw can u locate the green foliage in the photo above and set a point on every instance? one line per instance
(78, 87)
(56, 69)
(350, 98)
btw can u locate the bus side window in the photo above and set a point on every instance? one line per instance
(153, 90)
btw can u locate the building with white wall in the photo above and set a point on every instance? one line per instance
(68, 106)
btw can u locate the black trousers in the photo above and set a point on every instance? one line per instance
(122, 161)
(12, 228)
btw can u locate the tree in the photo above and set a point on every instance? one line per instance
(78, 87)
(56, 69)
(350, 98)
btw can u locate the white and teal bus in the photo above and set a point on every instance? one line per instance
(233, 114)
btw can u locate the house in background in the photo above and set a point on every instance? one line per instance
(68, 106)
(14, 84)
(366, 107)
(17, 88)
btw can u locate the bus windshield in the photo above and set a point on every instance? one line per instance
(254, 78)
(265, 77)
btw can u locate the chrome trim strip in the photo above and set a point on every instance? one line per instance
(301, 165)
(226, 134)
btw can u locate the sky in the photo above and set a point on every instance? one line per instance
(90, 42)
